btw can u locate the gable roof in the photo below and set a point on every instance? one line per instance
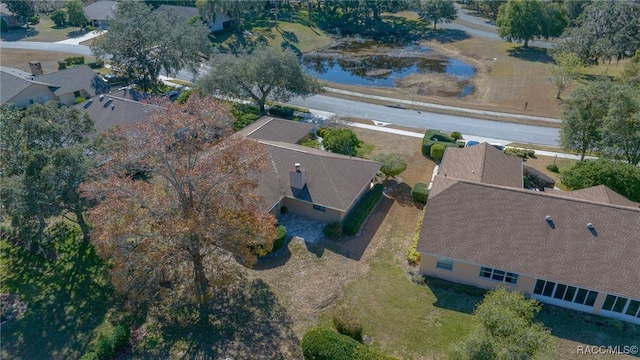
(13, 82)
(272, 129)
(119, 111)
(184, 11)
(74, 79)
(599, 193)
(482, 163)
(100, 10)
(334, 181)
(505, 228)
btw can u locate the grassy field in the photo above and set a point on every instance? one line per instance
(19, 59)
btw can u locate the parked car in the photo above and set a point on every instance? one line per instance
(471, 143)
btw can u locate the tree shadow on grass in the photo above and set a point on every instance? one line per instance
(246, 321)
(452, 296)
(533, 54)
(446, 35)
(401, 193)
(66, 298)
(18, 34)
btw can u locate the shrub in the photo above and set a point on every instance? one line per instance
(108, 345)
(284, 112)
(537, 178)
(347, 324)
(392, 164)
(531, 153)
(341, 141)
(312, 143)
(97, 64)
(435, 137)
(34, 19)
(437, 152)
(90, 356)
(413, 256)
(618, 176)
(59, 17)
(326, 344)
(553, 168)
(456, 135)
(62, 65)
(78, 100)
(420, 193)
(322, 132)
(74, 60)
(184, 96)
(332, 230)
(244, 114)
(281, 235)
(359, 214)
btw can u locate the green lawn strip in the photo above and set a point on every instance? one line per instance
(299, 37)
(67, 299)
(405, 318)
(46, 31)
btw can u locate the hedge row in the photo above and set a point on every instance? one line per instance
(284, 112)
(413, 256)
(357, 216)
(325, 344)
(435, 137)
(420, 193)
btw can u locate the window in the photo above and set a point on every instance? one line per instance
(444, 263)
(76, 93)
(565, 292)
(319, 208)
(498, 275)
(633, 308)
(614, 303)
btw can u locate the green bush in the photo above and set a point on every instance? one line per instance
(347, 324)
(420, 193)
(435, 137)
(245, 115)
(97, 64)
(326, 344)
(322, 132)
(120, 337)
(437, 152)
(184, 96)
(74, 60)
(59, 17)
(62, 65)
(553, 168)
(531, 153)
(90, 356)
(78, 100)
(284, 112)
(358, 215)
(281, 235)
(332, 230)
(311, 143)
(34, 19)
(108, 345)
(105, 348)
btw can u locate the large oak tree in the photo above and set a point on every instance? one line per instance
(177, 204)
(525, 20)
(261, 74)
(143, 42)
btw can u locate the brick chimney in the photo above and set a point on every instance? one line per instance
(297, 177)
(35, 67)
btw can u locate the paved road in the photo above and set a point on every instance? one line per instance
(507, 132)
(46, 46)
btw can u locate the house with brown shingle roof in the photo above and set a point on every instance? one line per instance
(578, 250)
(309, 182)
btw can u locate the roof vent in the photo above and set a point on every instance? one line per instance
(548, 218)
(549, 221)
(113, 107)
(590, 226)
(101, 97)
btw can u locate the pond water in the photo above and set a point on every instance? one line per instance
(357, 64)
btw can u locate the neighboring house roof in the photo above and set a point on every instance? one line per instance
(75, 79)
(505, 228)
(100, 10)
(12, 83)
(185, 11)
(8, 16)
(599, 193)
(482, 163)
(268, 128)
(332, 180)
(119, 111)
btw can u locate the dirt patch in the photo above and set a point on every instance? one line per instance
(432, 84)
(19, 59)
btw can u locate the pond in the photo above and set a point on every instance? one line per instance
(371, 63)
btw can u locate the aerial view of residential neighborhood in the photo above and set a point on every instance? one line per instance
(320, 179)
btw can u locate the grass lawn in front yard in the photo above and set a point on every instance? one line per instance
(19, 59)
(541, 163)
(45, 31)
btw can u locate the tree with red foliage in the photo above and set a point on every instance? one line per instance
(176, 204)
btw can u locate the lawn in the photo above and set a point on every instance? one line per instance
(45, 31)
(67, 299)
(19, 59)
